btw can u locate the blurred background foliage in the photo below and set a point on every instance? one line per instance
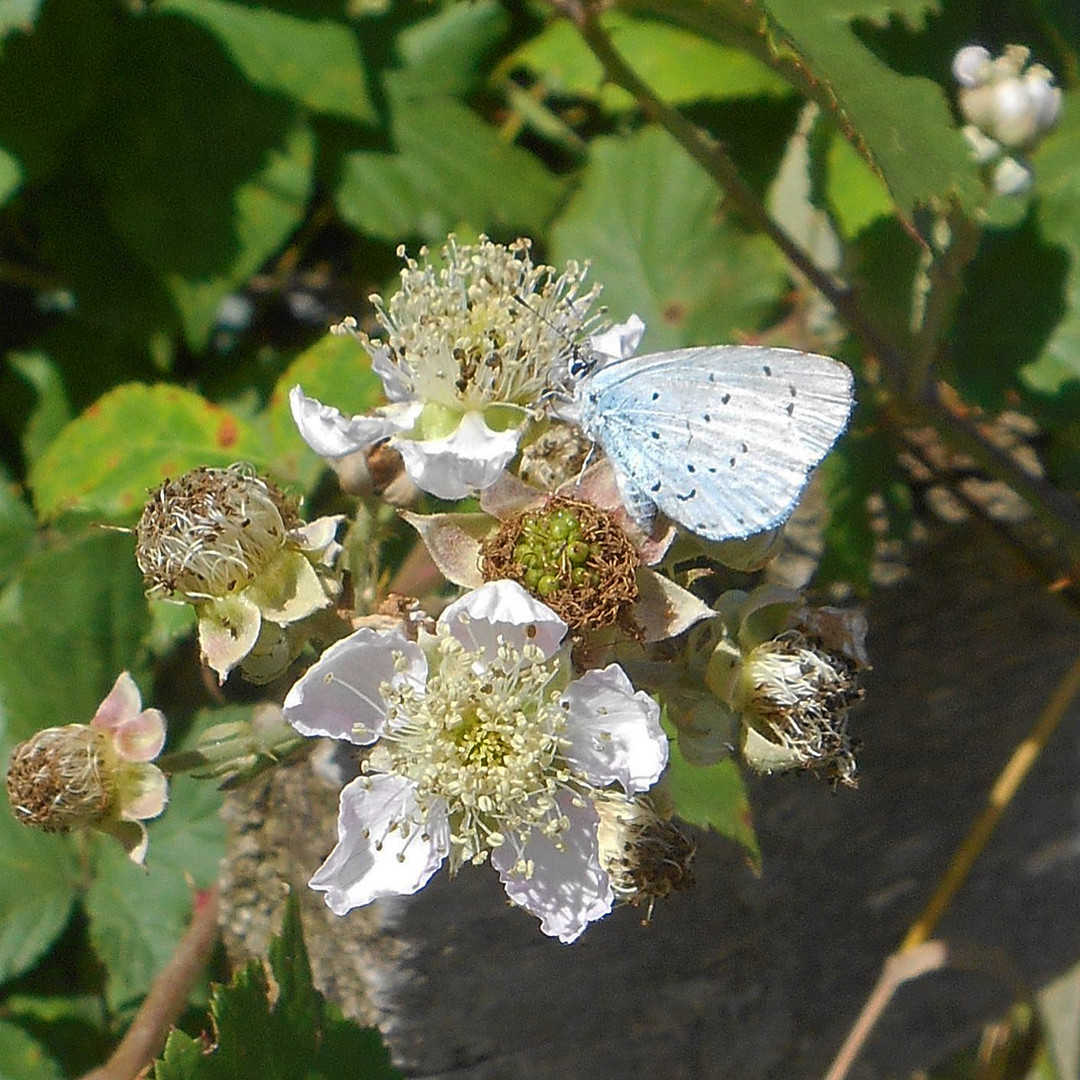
(191, 191)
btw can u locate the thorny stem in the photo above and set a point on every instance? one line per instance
(918, 398)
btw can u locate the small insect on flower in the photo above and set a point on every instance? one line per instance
(97, 775)
(722, 439)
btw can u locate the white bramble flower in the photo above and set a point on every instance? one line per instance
(97, 775)
(471, 347)
(486, 748)
(231, 545)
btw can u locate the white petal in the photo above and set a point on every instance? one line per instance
(122, 703)
(503, 609)
(614, 733)
(331, 434)
(339, 694)
(568, 888)
(374, 855)
(394, 386)
(619, 342)
(467, 460)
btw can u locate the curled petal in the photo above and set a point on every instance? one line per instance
(503, 609)
(664, 609)
(132, 834)
(121, 704)
(142, 737)
(288, 591)
(228, 630)
(339, 695)
(394, 386)
(619, 342)
(614, 733)
(382, 849)
(467, 460)
(568, 889)
(145, 791)
(331, 434)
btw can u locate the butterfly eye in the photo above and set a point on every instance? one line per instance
(580, 364)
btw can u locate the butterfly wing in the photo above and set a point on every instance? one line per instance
(723, 438)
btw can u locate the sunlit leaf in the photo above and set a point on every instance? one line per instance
(692, 276)
(107, 460)
(678, 65)
(316, 62)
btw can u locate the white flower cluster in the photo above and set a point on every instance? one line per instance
(1009, 105)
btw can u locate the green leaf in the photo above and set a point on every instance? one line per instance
(1014, 304)
(23, 1058)
(712, 797)
(73, 620)
(293, 1036)
(443, 56)
(862, 465)
(11, 175)
(451, 171)
(106, 460)
(855, 192)
(202, 175)
(50, 75)
(38, 873)
(317, 63)
(1055, 369)
(138, 916)
(52, 411)
(901, 122)
(18, 15)
(692, 278)
(16, 529)
(337, 371)
(678, 65)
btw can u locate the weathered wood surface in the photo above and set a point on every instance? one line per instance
(760, 977)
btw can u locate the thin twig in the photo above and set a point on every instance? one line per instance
(999, 797)
(168, 997)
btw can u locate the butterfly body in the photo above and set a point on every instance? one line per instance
(722, 439)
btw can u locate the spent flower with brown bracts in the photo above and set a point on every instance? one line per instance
(471, 346)
(97, 775)
(576, 549)
(233, 546)
(791, 674)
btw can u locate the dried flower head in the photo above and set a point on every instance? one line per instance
(471, 345)
(572, 555)
(791, 674)
(795, 696)
(95, 775)
(648, 857)
(233, 545)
